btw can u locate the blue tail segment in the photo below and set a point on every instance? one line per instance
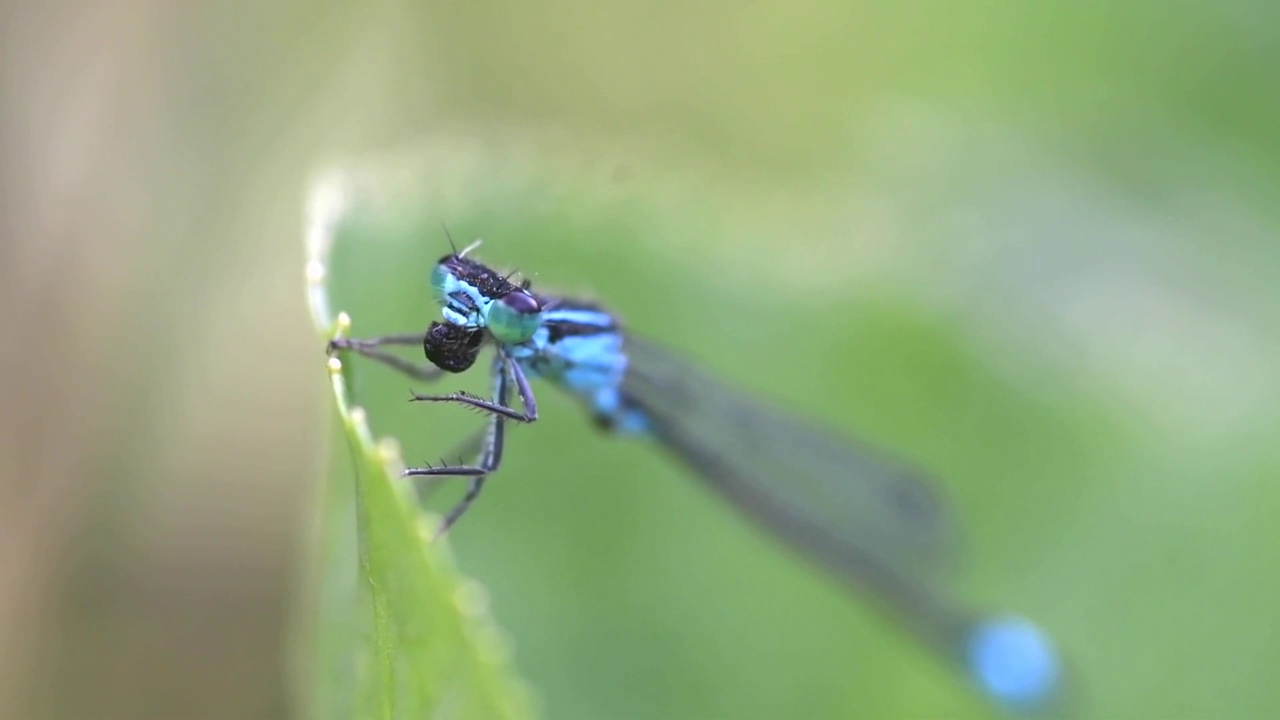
(1015, 662)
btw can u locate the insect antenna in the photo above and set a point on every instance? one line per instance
(449, 237)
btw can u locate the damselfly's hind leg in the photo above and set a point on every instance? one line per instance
(490, 456)
(470, 448)
(368, 347)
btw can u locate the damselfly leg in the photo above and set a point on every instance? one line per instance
(469, 448)
(496, 406)
(490, 454)
(453, 349)
(368, 347)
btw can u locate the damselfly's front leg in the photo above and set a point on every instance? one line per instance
(505, 371)
(369, 348)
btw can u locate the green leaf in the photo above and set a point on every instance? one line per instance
(395, 631)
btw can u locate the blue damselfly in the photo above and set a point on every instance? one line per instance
(874, 520)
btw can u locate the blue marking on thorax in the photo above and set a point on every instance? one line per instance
(578, 316)
(580, 363)
(590, 366)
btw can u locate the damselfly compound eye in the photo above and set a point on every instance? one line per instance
(440, 277)
(515, 317)
(521, 302)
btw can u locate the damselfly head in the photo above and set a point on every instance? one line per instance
(472, 295)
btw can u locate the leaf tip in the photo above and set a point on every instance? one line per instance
(315, 271)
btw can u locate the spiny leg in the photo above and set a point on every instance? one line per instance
(490, 453)
(488, 462)
(369, 348)
(469, 448)
(503, 366)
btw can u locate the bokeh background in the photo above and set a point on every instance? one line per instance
(1031, 245)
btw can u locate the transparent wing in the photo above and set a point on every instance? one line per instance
(832, 495)
(879, 523)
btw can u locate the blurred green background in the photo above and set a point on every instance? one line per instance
(1030, 245)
